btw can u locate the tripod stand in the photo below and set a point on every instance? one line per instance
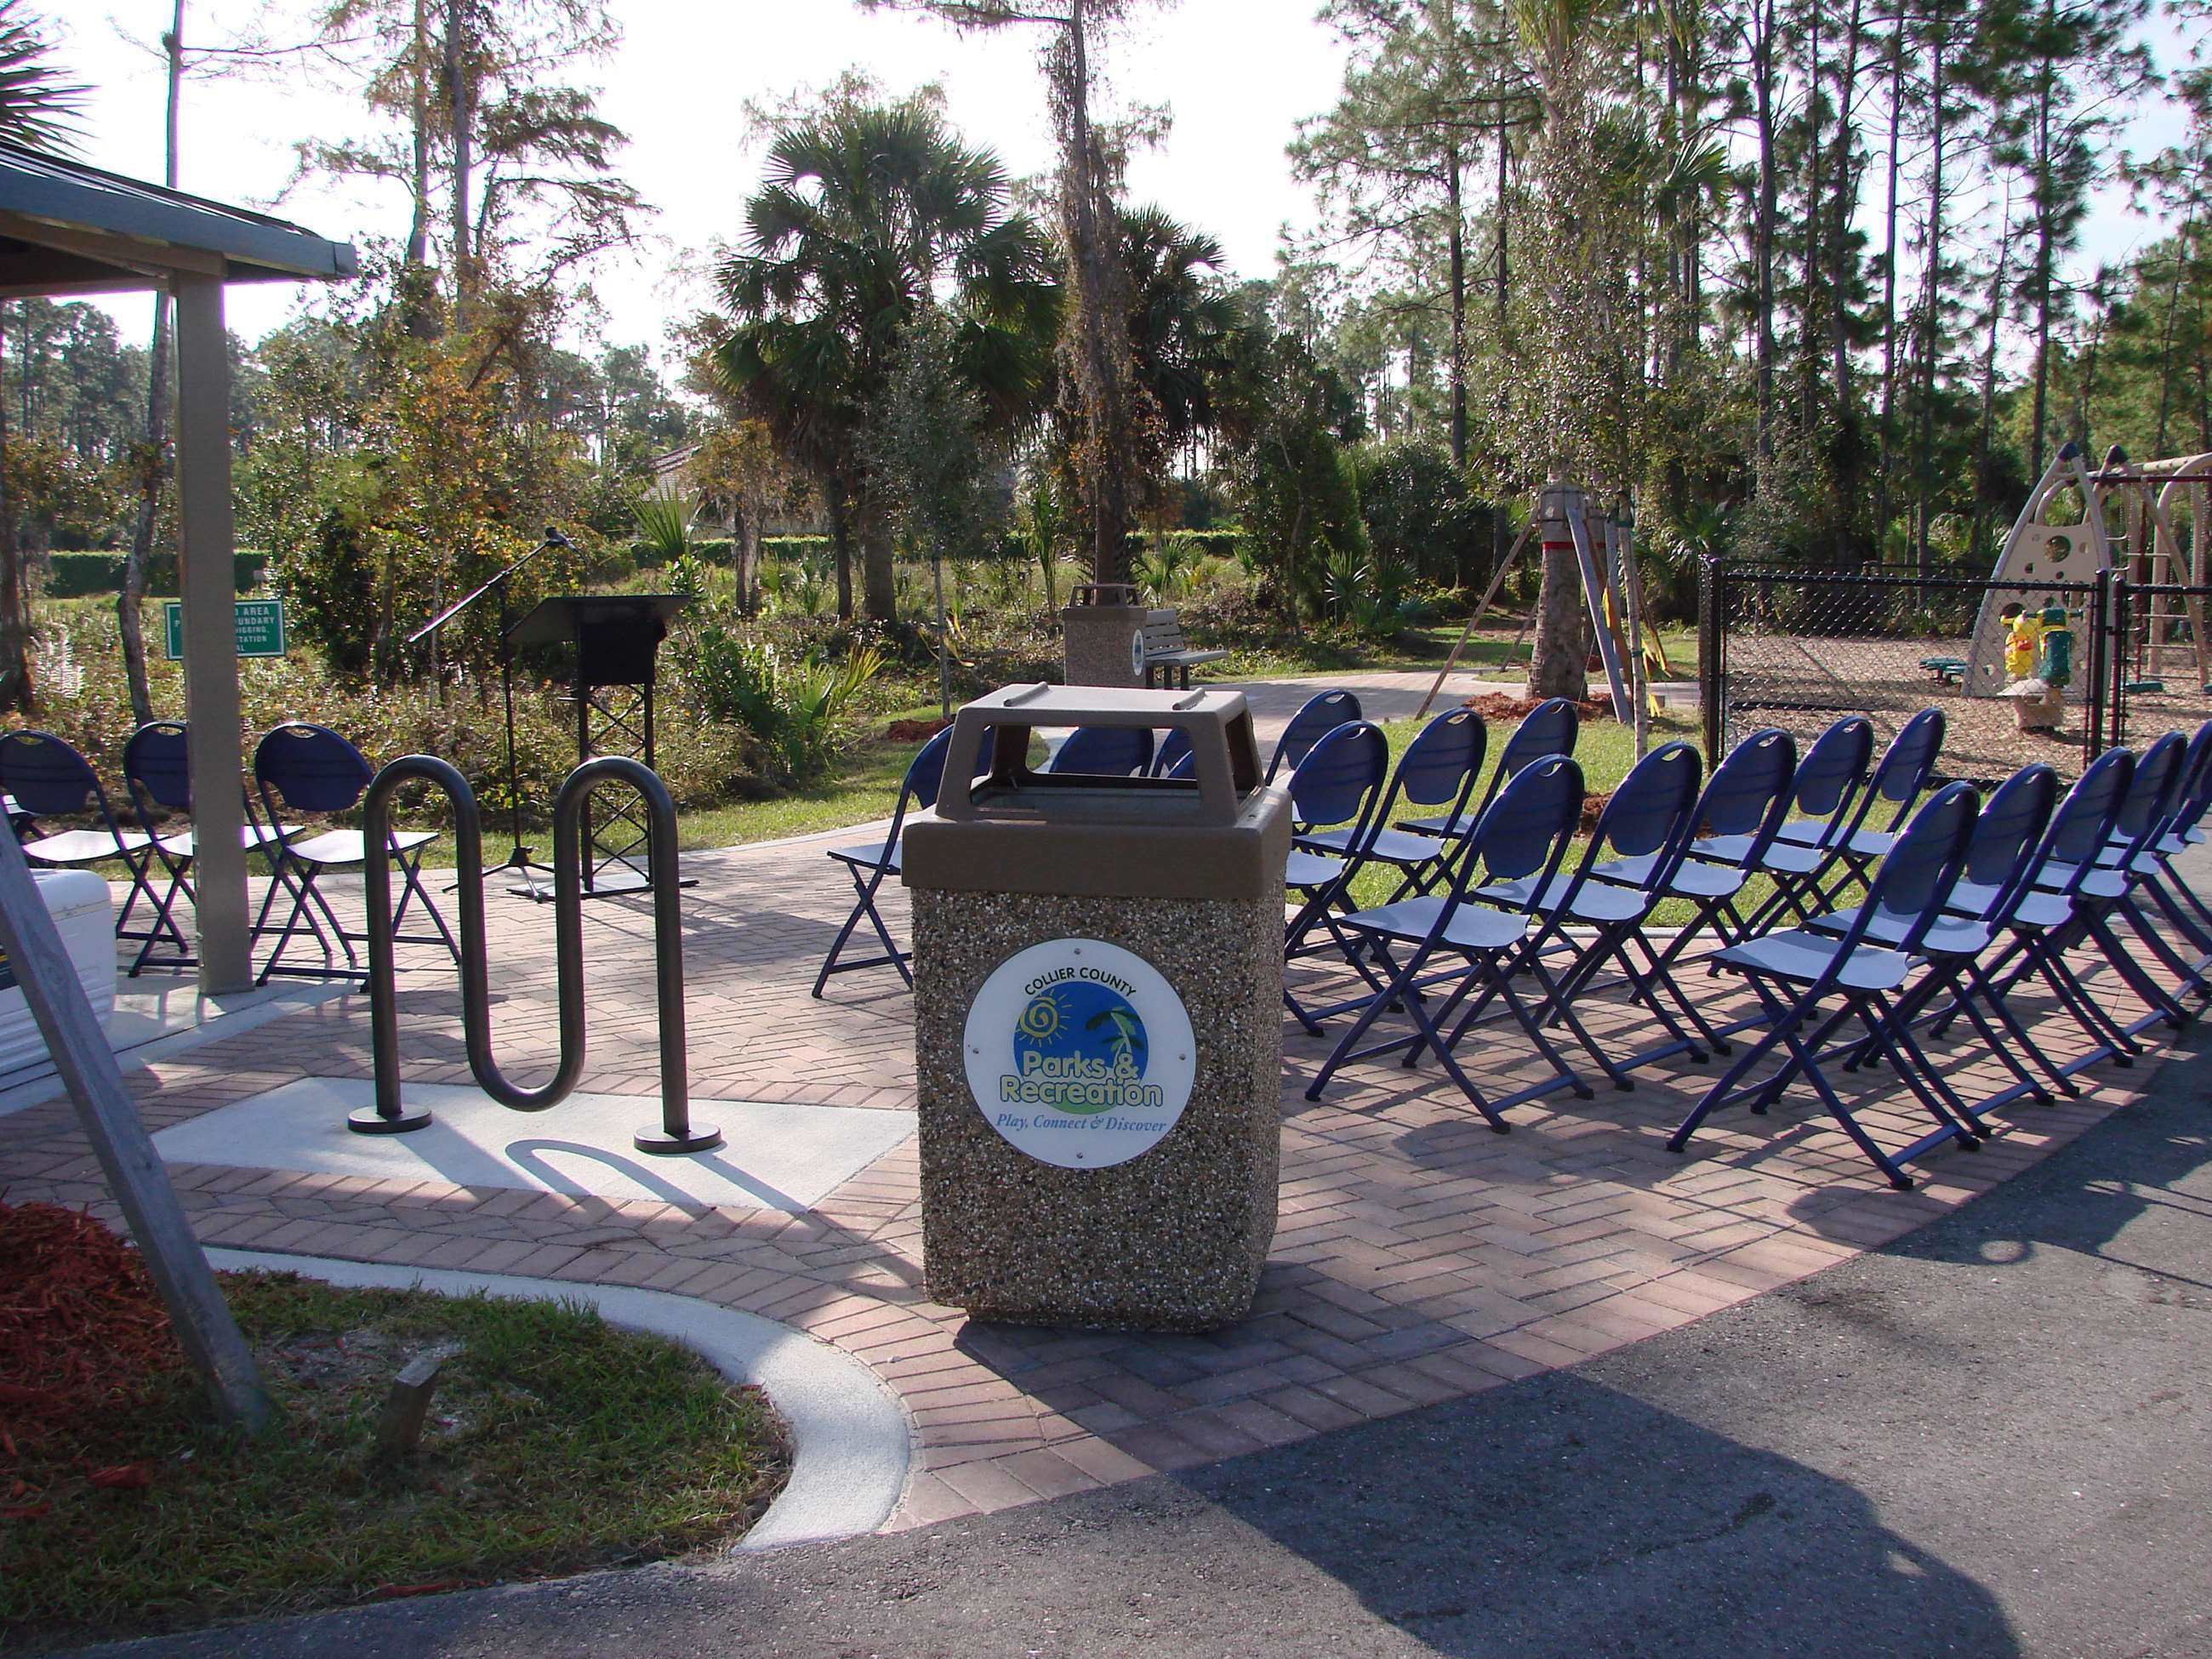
(517, 856)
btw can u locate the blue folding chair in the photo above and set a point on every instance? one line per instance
(1436, 939)
(312, 770)
(871, 865)
(1821, 794)
(1900, 777)
(1745, 801)
(2002, 856)
(1323, 714)
(1337, 784)
(1105, 751)
(1551, 728)
(1171, 754)
(1797, 971)
(2107, 891)
(157, 776)
(1649, 818)
(2163, 885)
(1438, 768)
(49, 778)
(2041, 914)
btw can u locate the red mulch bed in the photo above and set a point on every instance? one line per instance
(82, 1332)
(1503, 705)
(912, 731)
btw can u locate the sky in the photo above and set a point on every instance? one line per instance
(1236, 75)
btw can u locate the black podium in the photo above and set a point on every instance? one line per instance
(616, 637)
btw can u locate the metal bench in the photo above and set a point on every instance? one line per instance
(1167, 655)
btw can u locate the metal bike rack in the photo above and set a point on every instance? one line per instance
(676, 1133)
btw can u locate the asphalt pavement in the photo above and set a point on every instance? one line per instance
(1991, 1438)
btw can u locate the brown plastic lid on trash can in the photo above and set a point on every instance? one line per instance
(1002, 827)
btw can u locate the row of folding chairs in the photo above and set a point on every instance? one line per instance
(1497, 917)
(300, 769)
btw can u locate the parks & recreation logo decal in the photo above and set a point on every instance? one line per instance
(1080, 1053)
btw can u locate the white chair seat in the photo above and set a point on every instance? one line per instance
(1952, 936)
(2098, 883)
(1787, 858)
(251, 837)
(1389, 846)
(1311, 870)
(1469, 928)
(1691, 879)
(1802, 955)
(334, 847)
(1596, 901)
(82, 846)
(870, 857)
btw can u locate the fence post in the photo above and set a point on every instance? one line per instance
(1712, 679)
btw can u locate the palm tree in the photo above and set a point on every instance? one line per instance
(868, 215)
(38, 105)
(1184, 323)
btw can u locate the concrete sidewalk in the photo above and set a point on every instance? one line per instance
(1989, 1438)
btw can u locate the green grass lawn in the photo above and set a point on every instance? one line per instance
(556, 1443)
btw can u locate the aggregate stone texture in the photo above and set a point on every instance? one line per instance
(1096, 640)
(1417, 1256)
(1173, 1240)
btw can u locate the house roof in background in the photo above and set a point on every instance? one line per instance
(66, 228)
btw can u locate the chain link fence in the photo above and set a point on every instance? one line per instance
(1799, 649)
(2160, 661)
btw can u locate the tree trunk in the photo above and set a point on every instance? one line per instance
(2046, 211)
(1985, 434)
(153, 473)
(1884, 438)
(1456, 233)
(2172, 316)
(1762, 227)
(1560, 664)
(879, 588)
(1931, 322)
(841, 544)
(461, 112)
(418, 75)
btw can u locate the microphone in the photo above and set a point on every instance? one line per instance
(555, 539)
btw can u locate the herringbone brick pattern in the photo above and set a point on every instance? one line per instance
(1420, 1256)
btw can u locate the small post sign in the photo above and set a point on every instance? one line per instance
(260, 629)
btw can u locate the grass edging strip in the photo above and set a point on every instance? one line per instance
(852, 1444)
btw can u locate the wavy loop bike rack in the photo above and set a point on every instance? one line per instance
(676, 1133)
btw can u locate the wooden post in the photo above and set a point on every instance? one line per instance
(135, 1172)
(207, 585)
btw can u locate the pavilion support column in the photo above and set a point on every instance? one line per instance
(206, 582)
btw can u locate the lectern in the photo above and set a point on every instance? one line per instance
(617, 637)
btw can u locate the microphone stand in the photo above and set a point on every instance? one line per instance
(517, 856)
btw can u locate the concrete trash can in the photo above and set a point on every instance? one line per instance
(1098, 993)
(1103, 634)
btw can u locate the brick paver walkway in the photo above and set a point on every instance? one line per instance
(1420, 1256)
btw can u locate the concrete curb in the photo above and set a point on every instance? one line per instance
(852, 1442)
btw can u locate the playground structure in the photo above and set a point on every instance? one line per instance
(2119, 548)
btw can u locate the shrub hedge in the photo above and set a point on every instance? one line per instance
(76, 576)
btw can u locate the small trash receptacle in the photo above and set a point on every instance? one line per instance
(1098, 986)
(1102, 633)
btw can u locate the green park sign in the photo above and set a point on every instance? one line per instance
(260, 628)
